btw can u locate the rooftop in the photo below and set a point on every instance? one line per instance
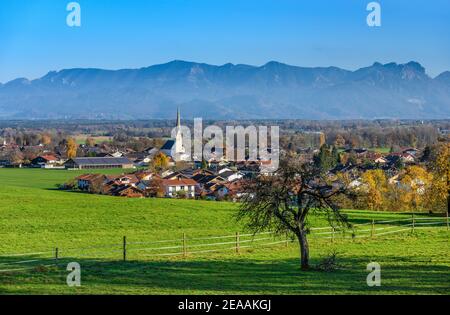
(101, 160)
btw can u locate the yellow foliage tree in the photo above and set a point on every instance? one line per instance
(160, 162)
(46, 139)
(416, 187)
(374, 183)
(71, 148)
(322, 139)
(440, 187)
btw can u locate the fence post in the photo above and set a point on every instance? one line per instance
(372, 232)
(413, 222)
(184, 245)
(332, 234)
(237, 243)
(124, 248)
(56, 256)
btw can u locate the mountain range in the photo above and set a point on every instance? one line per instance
(274, 90)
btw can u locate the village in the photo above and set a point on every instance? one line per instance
(158, 171)
(213, 180)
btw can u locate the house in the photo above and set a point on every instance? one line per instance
(143, 162)
(144, 185)
(267, 167)
(201, 172)
(172, 187)
(177, 175)
(144, 175)
(117, 154)
(209, 188)
(380, 160)
(98, 163)
(128, 191)
(411, 151)
(407, 158)
(167, 147)
(222, 169)
(230, 176)
(204, 179)
(232, 190)
(46, 160)
(404, 157)
(249, 168)
(127, 179)
(140, 158)
(86, 181)
(151, 151)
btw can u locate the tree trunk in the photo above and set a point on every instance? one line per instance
(304, 250)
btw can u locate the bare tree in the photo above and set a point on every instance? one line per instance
(283, 201)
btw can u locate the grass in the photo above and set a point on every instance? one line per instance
(36, 217)
(382, 150)
(81, 139)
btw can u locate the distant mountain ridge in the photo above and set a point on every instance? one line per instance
(274, 90)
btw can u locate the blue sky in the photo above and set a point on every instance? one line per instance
(35, 39)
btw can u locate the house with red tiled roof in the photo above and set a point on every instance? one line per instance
(233, 190)
(174, 187)
(128, 191)
(87, 181)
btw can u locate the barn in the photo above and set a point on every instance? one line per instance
(98, 163)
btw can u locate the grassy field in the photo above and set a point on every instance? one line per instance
(383, 150)
(36, 217)
(81, 139)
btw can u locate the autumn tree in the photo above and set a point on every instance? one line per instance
(283, 201)
(71, 148)
(416, 187)
(374, 187)
(440, 167)
(156, 188)
(322, 139)
(340, 141)
(46, 139)
(90, 142)
(15, 157)
(354, 142)
(160, 162)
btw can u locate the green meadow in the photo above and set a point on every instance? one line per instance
(36, 218)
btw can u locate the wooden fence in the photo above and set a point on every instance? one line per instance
(187, 246)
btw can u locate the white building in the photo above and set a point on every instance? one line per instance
(174, 148)
(173, 187)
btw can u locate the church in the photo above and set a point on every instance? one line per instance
(174, 148)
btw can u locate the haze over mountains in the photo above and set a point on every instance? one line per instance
(274, 90)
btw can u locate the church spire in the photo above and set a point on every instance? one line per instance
(178, 118)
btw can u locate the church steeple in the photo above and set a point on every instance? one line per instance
(178, 118)
(179, 148)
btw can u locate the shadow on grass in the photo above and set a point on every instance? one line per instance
(238, 275)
